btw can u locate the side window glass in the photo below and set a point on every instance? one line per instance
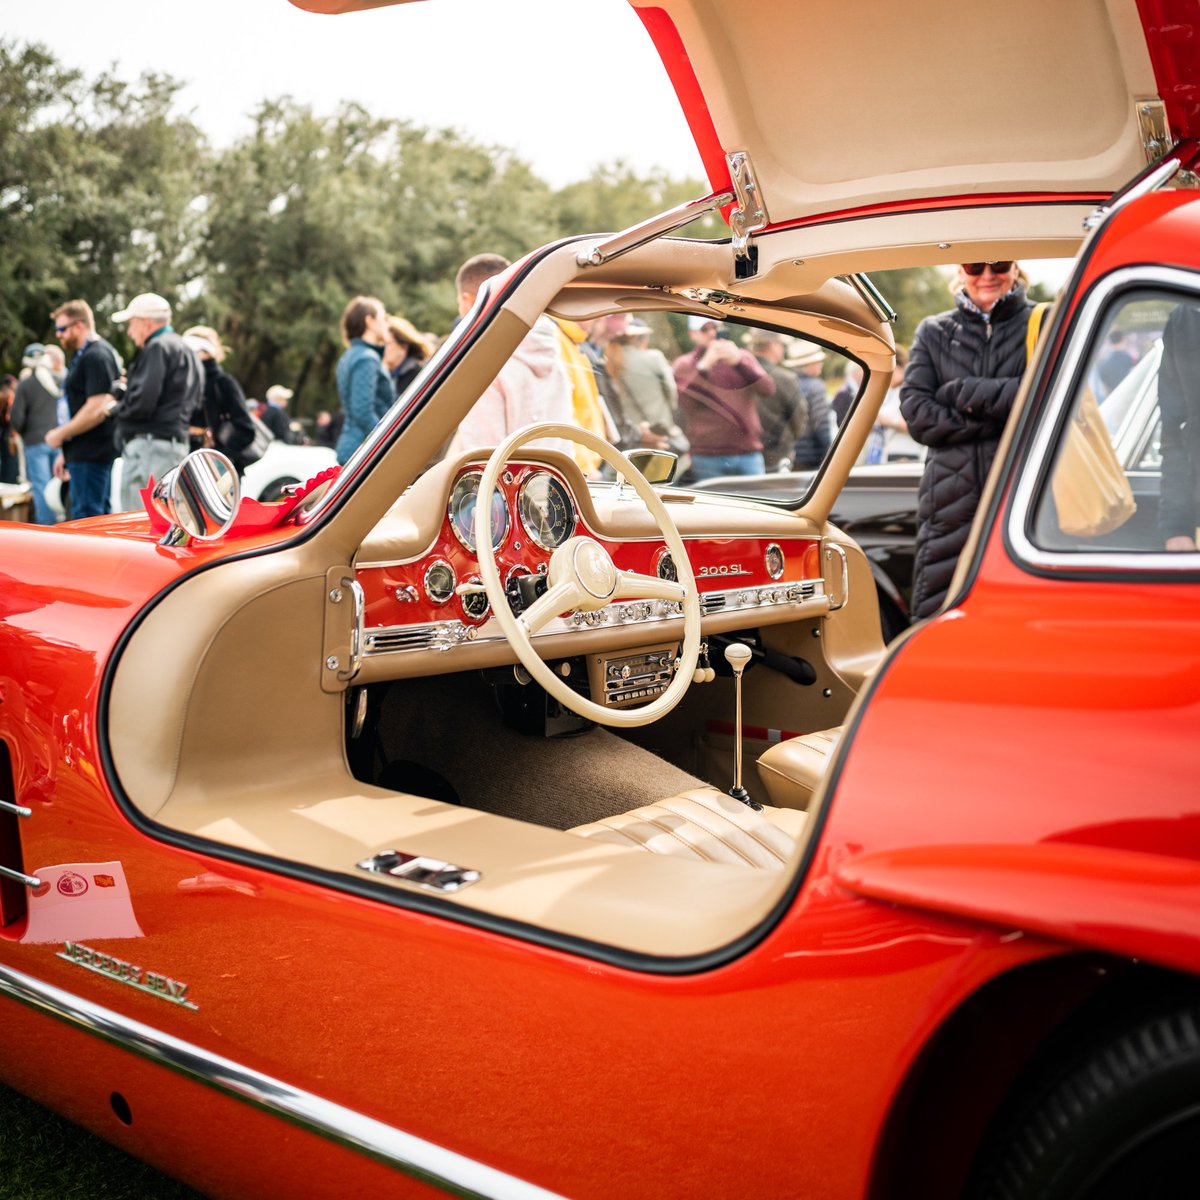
(1123, 474)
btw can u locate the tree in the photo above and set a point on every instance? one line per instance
(97, 187)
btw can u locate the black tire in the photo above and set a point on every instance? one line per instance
(892, 620)
(274, 490)
(1123, 1121)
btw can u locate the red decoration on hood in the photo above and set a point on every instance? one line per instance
(253, 516)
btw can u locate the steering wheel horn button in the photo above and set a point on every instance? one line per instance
(589, 566)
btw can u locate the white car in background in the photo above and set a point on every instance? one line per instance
(280, 466)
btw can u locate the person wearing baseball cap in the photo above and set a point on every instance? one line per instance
(275, 415)
(163, 390)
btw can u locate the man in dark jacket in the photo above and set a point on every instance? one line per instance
(784, 415)
(164, 388)
(1179, 406)
(963, 375)
(807, 360)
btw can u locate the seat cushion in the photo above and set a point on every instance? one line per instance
(792, 771)
(705, 824)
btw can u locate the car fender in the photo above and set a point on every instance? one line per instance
(1125, 902)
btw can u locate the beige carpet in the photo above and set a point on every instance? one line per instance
(450, 724)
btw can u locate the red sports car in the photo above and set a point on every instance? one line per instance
(601, 847)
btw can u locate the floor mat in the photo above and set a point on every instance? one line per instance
(449, 724)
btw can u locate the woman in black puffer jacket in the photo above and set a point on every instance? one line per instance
(963, 374)
(222, 419)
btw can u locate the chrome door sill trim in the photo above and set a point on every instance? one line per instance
(457, 1174)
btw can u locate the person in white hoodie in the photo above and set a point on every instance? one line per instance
(531, 386)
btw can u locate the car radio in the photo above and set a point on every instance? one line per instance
(633, 678)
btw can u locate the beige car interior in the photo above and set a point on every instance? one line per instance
(625, 838)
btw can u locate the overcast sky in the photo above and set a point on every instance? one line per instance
(566, 84)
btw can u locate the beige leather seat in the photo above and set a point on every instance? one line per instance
(792, 771)
(708, 825)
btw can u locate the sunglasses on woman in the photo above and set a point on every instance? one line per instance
(998, 268)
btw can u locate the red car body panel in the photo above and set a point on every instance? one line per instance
(1004, 725)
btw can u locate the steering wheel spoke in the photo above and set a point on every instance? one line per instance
(632, 586)
(558, 598)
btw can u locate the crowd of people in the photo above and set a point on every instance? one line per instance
(722, 407)
(75, 408)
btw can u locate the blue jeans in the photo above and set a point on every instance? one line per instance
(39, 466)
(709, 466)
(91, 483)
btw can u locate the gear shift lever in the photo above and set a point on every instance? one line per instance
(737, 656)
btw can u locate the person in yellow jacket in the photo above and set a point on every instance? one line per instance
(586, 404)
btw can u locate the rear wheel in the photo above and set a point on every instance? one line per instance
(1122, 1121)
(274, 490)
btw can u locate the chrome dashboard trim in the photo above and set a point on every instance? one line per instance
(1026, 492)
(426, 1161)
(445, 635)
(434, 635)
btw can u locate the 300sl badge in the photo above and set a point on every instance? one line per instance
(724, 569)
(127, 973)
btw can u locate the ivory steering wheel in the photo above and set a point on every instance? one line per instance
(582, 576)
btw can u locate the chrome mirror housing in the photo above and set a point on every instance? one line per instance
(658, 466)
(199, 498)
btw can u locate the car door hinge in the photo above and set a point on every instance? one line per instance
(749, 213)
(345, 616)
(1152, 125)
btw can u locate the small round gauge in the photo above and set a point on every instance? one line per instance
(462, 511)
(475, 604)
(774, 561)
(664, 567)
(546, 511)
(439, 581)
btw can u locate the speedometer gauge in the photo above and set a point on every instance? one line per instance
(546, 511)
(463, 517)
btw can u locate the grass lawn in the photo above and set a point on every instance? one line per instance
(44, 1157)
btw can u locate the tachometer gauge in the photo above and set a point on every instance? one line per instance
(463, 516)
(545, 508)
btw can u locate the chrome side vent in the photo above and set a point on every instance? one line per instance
(438, 635)
(713, 602)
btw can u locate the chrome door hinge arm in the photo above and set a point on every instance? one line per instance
(1147, 181)
(655, 227)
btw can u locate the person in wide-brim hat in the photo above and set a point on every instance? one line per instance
(803, 354)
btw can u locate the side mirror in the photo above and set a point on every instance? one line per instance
(658, 466)
(199, 497)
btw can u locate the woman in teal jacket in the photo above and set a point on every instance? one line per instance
(364, 387)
